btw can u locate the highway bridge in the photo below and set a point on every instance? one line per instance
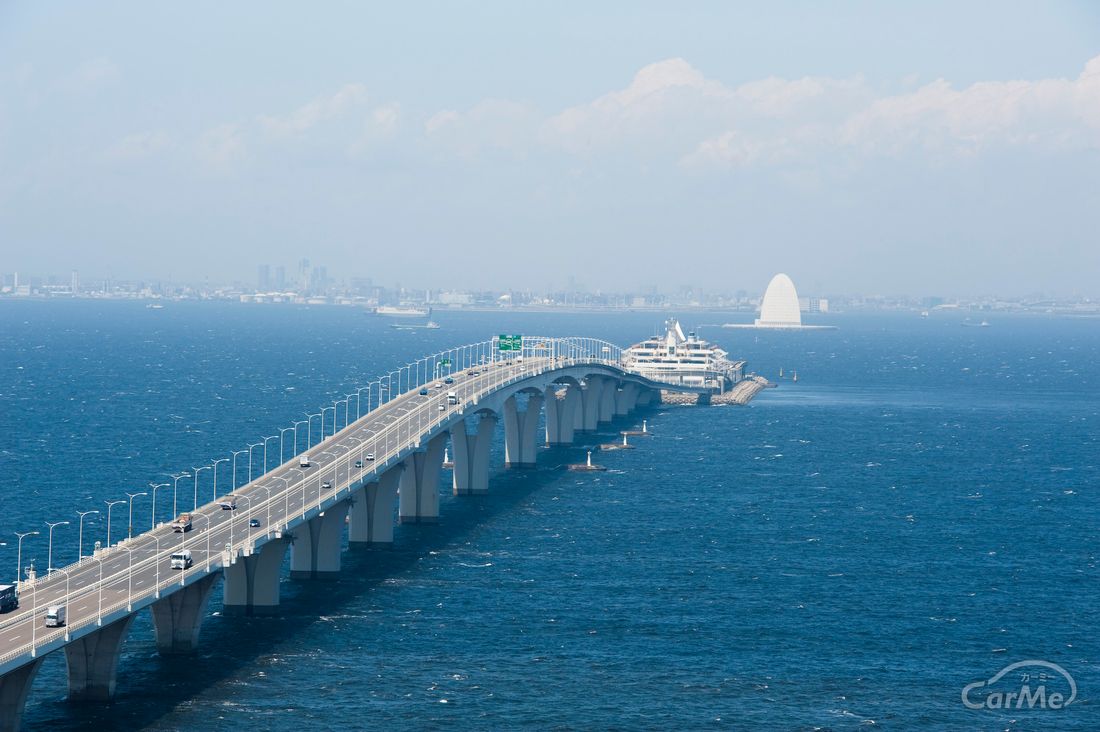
(389, 455)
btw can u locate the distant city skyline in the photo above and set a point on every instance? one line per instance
(859, 147)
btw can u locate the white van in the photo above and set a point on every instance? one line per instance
(181, 560)
(303, 461)
(55, 616)
(452, 398)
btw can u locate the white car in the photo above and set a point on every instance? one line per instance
(370, 456)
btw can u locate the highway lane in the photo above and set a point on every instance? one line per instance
(135, 568)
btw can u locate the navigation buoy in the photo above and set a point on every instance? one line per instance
(586, 466)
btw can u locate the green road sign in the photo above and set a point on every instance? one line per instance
(509, 342)
(445, 362)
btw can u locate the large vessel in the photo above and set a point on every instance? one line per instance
(404, 312)
(676, 358)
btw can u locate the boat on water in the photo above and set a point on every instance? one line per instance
(968, 324)
(154, 306)
(676, 358)
(430, 325)
(392, 311)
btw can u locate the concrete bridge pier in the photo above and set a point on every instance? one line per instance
(14, 687)
(471, 456)
(521, 431)
(561, 414)
(626, 398)
(315, 553)
(93, 661)
(252, 582)
(590, 403)
(372, 509)
(607, 400)
(177, 618)
(419, 491)
(645, 397)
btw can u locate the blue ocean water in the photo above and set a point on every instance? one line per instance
(917, 512)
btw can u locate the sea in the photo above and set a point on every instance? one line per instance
(869, 546)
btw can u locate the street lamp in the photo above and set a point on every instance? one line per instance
(196, 472)
(154, 486)
(273, 437)
(250, 449)
(215, 466)
(303, 421)
(110, 505)
(323, 410)
(80, 541)
(235, 454)
(175, 483)
(19, 557)
(49, 560)
(282, 433)
(66, 601)
(309, 429)
(130, 526)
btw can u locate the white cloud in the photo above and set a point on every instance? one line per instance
(494, 124)
(349, 98)
(222, 147)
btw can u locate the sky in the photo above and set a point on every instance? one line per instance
(861, 147)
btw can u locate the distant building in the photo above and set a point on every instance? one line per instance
(779, 308)
(263, 278)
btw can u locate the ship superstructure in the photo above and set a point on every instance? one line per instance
(683, 359)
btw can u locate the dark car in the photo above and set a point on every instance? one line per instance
(424, 391)
(448, 380)
(358, 463)
(254, 523)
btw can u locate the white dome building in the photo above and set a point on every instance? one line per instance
(780, 306)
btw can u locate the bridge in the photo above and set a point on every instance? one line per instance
(390, 455)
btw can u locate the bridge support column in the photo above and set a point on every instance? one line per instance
(14, 687)
(521, 432)
(626, 399)
(561, 415)
(471, 472)
(93, 661)
(607, 400)
(590, 403)
(177, 618)
(419, 491)
(645, 397)
(252, 582)
(372, 509)
(315, 553)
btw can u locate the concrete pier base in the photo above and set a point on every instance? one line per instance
(590, 404)
(372, 509)
(471, 454)
(419, 489)
(561, 414)
(93, 662)
(625, 399)
(252, 582)
(14, 687)
(177, 618)
(521, 431)
(607, 400)
(315, 553)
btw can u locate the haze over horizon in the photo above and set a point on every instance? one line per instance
(858, 147)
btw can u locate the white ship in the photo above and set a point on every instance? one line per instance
(404, 312)
(678, 359)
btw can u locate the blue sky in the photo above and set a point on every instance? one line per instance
(946, 148)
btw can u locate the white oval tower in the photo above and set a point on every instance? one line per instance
(780, 306)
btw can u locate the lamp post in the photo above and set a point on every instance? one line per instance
(175, 483)
(303, 421)
(251, 447)
(19, 557)
(130, 581)
(49, 559)
(235, 454)
(286, 515)
(249, 516)
(215, 466)
(100, 560)
(323, 410)
(130, 526)
(196, 471)
(110, 505)
(156, 563)
(66, 601)
(309, 429)
(273, 437)
(80, 541)
(208, 532)
(282, 433)
(347, 416)
(154, 486)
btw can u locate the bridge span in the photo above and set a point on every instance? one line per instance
(388, 457)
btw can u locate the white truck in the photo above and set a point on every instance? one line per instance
(181, 559)
(452, 398)
(55, 616)
(303, 461)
